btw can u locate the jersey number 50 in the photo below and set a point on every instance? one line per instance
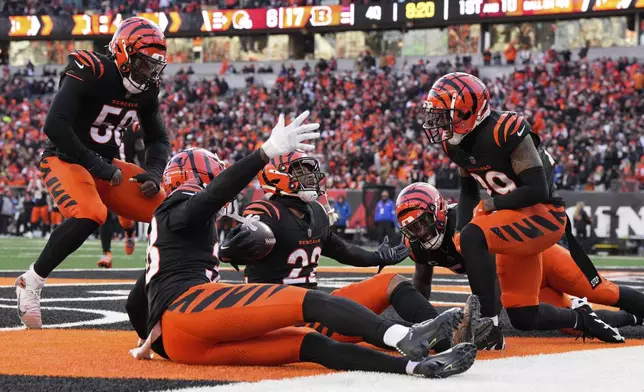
(110, 122)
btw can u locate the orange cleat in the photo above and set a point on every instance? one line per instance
(105, 261)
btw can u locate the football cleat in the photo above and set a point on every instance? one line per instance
(493, 341)
(456, 360)
(129, 244)
(105, 261)
(593, 326)
(423, 336)
(473, 328)
(28, 293)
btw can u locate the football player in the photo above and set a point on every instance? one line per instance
(429, 224)
(98, 97)
(524, 215)
(193, 319)
(132, 150)
(40, 212)
(303, 234)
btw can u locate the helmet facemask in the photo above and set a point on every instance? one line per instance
(142, 72)
(424, 231)
(306, 179)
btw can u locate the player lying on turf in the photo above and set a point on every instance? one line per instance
(523, 218)
(298, 232)
(195, 320)
(428, 224)
(98, 97)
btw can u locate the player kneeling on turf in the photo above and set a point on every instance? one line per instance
(195, 320)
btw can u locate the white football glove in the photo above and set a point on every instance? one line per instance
(285, 139)
(333, 217)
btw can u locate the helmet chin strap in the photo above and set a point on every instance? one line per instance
(434, 243)
(132, 87)
(455, 139)
(307, 196)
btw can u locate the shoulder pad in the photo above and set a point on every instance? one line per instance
(262, 208)
(510, 129)
(84, 65)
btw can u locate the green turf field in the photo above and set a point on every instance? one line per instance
(18, 253)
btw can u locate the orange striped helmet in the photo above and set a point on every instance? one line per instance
(422, 214)
(196, 166)
(293, 174)
(455, 105)
(139, 50)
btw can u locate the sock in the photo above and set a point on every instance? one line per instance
(395, 334)
(322, 350)
(495, 320)
(345, 316)
(481, 270)
(631, 301)
(33, 276)
(68, 237)
(411, 305)
(106, 233)
(411, 365)
(129, 231)
(617, 319)
(542, 317)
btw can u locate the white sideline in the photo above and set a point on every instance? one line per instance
(613, 369)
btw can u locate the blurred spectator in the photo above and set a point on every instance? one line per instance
(583, 227)
(385, 218)
(343, 209)
(510, 53)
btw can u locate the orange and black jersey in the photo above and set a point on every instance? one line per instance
(446, 256)
(182, 238)
(92, 109)
(486, 153)
(299, 243)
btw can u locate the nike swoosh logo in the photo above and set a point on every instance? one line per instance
(81, 66)
(521, 131)
(224, 247)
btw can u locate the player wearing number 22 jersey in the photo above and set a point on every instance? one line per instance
(99, 96)
(303, 234)
(524, 216)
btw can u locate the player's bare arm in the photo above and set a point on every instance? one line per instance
(349, 254)
(527, 164)
(468, 199)
(422, 279)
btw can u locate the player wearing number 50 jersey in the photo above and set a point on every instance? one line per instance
(98, 98)
(524, 215)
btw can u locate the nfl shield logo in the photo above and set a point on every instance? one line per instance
(309, 232)
(472, 161)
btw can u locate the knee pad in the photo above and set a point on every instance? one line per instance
(524, 318)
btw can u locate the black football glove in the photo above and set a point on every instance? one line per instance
(389, 255)
(106, 171)
(149, 183)
(239, 247)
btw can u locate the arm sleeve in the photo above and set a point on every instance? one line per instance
(468, 198)
(422, 279)
(137, 308)
(204, 205)
(64, 108)
(157, 144)
(534, 190)
(348, 254)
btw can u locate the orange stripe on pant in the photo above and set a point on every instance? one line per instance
(222, 324)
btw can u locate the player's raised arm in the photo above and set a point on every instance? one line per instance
(204, 205)
(527, 164)
(468, 198)
(75, 86)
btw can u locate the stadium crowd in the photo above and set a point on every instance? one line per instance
(589, 114)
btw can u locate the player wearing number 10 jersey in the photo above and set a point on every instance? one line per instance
(523, 218)
(99, 96)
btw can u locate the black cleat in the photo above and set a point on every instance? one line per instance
(493, 341)
(423, 336)
(456, 360)
(593, 326)
(473, 328)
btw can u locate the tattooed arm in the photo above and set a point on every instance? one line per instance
(527, 164)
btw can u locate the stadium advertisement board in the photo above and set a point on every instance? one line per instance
(614, 215)
(386, 15)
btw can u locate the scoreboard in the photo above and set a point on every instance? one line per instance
(383, 15)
